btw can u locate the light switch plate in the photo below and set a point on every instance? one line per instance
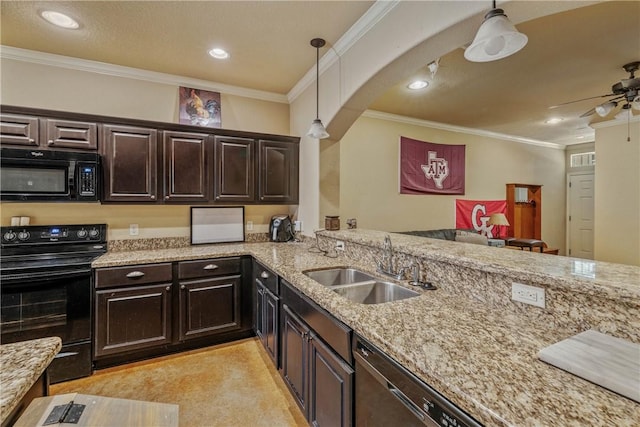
(133, 229)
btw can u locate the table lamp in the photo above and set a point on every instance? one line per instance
(498, 219)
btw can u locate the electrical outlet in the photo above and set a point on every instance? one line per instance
(339, 245)
(297, 225)
(133, 229)
(249, 225)
(531, 295)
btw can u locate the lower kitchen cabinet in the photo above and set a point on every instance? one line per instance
(295, 357)
(267, 310)
(132, 318)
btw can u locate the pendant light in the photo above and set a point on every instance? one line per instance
(496, 38)
(317, 129)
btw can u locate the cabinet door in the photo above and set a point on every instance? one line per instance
(209, 306)
(186, 166)
(278, 172)
(70, 134)
(132, 318)
(130, 163)
(271, 328)
(295, 347)
(330, 387)
(234, 171)
(19, 130)
(259, 311)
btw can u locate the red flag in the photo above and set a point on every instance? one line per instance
(474, 214)
(428, 168)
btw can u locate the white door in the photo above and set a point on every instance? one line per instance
(581, 208)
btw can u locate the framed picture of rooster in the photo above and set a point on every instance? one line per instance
(200, 107)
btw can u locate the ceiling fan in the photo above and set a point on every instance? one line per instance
(626, 90)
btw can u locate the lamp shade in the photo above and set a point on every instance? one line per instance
(496, 38)
(317, 130)
(603, 109)
(498, 219)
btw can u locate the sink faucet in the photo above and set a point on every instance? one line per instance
(385, 264)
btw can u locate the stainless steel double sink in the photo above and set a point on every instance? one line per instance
(360, 287)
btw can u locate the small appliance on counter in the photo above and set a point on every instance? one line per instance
(281, 228)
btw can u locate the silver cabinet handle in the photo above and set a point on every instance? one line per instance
(168, 288)
(182, 287)
(210, 267)
(264, 275)
(135, 274)
(32, 140)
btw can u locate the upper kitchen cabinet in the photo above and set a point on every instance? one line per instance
(130, 163)
(278, 172)
(186, 167)
(43, 133)
(234, 179)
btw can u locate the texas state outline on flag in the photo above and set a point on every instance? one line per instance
(437, 168)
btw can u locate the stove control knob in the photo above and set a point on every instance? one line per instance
(9, 236)
(94, 233)
(82, 233)
(23, 235)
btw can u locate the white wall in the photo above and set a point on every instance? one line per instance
(617, 192)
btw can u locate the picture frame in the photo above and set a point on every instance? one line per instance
(199, 107)
(217, 225)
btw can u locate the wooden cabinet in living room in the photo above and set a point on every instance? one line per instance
(234, 170)
(524, 211)
(130, 163)
(186, 167)
(278, 165)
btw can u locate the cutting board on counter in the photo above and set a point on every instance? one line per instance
(610, 362)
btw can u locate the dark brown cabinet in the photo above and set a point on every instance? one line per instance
(186, 166)
(267, 310)
(19, 130)
(295, 357)
(70, 134)
(210, 294)
(234, 170)
(132, 308)
(278, 163)
(130, 163)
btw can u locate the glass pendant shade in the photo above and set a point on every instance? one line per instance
(603, 109)
(496, 38)
(317, 130)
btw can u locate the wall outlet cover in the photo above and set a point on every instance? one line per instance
(531, 295)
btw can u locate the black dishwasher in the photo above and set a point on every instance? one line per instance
(389, 395)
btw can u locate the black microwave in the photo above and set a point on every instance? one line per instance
(49, 175)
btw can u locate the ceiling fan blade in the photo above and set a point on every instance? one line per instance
(580, 100)
(588, 113)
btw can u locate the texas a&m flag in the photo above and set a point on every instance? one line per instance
(428, 168)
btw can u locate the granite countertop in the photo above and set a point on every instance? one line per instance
(482, 359)
(22, 364)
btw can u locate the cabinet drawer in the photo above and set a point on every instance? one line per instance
(265, 276)
(208, 267)
(331, 330)
(132, 275)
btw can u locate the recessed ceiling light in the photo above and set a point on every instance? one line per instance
(60, 19)
(553, 120)
(418, 84)
(219, 53)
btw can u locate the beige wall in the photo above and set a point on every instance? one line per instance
(369, 178)
(617, 193)
(42, 86)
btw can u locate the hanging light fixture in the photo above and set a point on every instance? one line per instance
(496, 38)
(317, 129)
(603, 109)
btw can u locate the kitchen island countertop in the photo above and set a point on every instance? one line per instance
(21, 365)
(482, 359)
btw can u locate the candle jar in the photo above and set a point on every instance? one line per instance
(332, 223)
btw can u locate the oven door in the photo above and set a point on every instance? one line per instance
(48, 303)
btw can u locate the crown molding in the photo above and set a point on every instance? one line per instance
(367, 21)
(25, 55)
(469, 131)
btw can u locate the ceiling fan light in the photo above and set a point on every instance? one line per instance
(604, 109)
(317, 130)
(496, 38)
(635, 104)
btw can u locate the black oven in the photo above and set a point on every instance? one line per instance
(49, 175)
(46, 290)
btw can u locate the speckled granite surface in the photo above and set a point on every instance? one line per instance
(464, 339)
(21, 365)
